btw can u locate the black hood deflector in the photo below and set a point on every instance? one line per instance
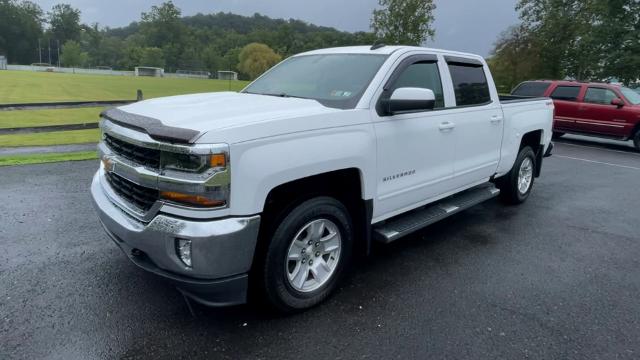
(153, 127)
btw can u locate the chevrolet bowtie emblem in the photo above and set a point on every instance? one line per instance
(108, 164)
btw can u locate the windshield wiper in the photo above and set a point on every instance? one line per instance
(283, 95)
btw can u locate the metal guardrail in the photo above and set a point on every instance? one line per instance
(69, 104)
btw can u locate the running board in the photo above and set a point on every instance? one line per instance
(405, 224)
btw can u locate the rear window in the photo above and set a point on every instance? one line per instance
(470, 85)
(531, 88)
(569, 93)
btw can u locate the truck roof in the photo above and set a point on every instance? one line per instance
(383, 50)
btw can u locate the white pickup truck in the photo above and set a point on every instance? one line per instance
(271, 191)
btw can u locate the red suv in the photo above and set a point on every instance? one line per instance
(596, 109)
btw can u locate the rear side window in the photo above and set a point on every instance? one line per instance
(423, 75)
(531, 88)
(569, 93)
(469, 84)
(599, 96)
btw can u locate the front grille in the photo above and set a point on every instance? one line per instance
(148, 157)
(142, 197)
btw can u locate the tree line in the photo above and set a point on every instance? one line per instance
(586, 40)
(205, 42)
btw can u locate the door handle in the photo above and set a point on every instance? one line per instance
(446, 126)
(496, 119)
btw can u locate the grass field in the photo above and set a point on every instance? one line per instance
(32, 118)
(26, 87)
(46, 158)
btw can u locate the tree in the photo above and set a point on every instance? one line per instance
(404, 22)
(152, 56)
(584, 39)
(515, 58)
(72, 55)
(20, 29)
(257, 58)
(65, 23)
(162, 26)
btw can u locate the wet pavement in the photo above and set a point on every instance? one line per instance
(555, 278)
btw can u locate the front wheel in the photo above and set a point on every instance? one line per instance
(309, 251)
(516, 186)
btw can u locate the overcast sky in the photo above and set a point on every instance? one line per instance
(464, 25)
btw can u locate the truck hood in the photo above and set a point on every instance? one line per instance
(210, 112)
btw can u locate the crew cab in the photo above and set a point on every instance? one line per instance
(271, 192)
(595, 109)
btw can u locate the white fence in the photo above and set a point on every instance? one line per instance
(69, 70)
(56, 69)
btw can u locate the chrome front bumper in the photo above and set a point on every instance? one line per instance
(222, 249)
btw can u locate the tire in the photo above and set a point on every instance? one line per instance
(510, 190)
(636, 140)
(288, 290)
(557, 135)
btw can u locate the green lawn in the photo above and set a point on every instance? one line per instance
(28, 86)
(32, 118)
(46, 158)
(51, 138)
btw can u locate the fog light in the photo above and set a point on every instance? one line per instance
(183, 248)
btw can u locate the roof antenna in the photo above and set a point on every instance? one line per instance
(377, 45)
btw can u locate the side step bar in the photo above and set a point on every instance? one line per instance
(405, 224)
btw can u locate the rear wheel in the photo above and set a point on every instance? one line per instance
(516, 186)
(636, 140)
(308, 253)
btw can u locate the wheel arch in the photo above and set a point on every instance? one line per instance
(346, 185)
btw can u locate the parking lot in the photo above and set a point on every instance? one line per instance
(555, 278)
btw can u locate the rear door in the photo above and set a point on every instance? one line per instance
(598, 116)
(479, 121)
(567, 112)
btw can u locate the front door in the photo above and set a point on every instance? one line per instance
(597, 115)
(415, 151)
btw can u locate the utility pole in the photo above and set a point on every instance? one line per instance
(49, 51)
(58, 53)
(39, 52)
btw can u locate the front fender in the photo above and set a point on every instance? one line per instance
(259, 166)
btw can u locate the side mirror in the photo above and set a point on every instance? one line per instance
(617, 102)
(409, 99)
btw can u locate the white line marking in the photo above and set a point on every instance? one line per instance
(600, 148)
(598, 162)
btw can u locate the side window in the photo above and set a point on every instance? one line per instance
(422, 75)
(469, 84)
(569, 93)
(599, 96)
(531, 88)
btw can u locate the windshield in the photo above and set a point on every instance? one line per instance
(334, 80)
(632, 96)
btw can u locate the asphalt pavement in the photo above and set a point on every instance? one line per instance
(555, 278)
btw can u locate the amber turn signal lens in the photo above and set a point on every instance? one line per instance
(191, 199)
(218, 160)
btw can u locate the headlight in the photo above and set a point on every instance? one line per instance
(191, 162)
(197, 177)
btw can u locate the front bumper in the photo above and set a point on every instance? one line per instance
(222, 249)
